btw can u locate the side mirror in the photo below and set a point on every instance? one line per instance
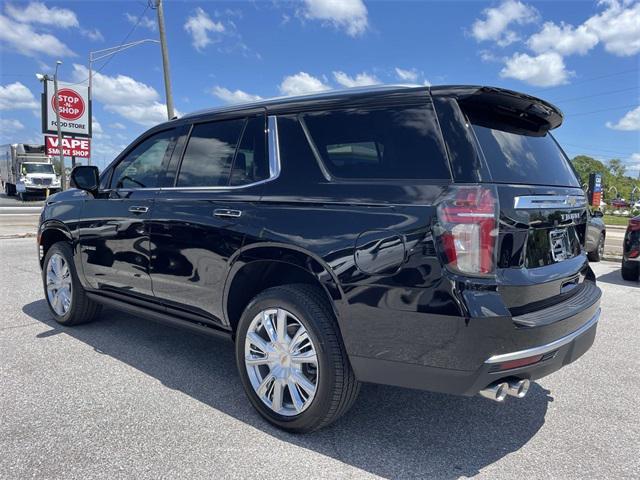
(85, 177)
(598, 214)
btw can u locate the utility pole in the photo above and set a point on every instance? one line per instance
(63, 173)
(165, 58)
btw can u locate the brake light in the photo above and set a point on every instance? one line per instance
(468, 219)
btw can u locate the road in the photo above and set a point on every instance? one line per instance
(128, 398)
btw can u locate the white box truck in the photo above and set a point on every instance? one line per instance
(26, 169)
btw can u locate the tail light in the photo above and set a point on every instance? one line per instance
(468, 221)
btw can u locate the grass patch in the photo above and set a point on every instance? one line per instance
(616, 220)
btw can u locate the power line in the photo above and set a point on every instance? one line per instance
(601, 110)
(600, 94)
(599, 149)
(99, 69)
(587, 80)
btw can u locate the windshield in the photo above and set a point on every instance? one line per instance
(37, 168)
(515, 158)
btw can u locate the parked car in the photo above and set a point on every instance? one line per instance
(427, 237)
(619, 203)
(636, 205)
(631, 250)
(596, 235)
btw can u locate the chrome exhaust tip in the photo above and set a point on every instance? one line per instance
(518, 388)
(496, 391)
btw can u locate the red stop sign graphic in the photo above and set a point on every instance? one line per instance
(71, 104)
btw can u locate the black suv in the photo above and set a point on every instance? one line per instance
(429, 238)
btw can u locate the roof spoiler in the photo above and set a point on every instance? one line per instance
(504, 109)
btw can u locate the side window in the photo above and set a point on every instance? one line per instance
(401, 142)
(105, 180)
(209, 154)
(251, 163)
(142, 166)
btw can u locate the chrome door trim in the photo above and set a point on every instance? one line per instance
(549, 201)
(274, 162)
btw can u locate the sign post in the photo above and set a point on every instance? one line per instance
(68, 107)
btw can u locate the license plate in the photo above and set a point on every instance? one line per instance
(560, 245)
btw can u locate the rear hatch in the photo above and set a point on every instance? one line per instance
(541, 209)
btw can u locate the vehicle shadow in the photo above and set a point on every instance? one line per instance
(615, 278)
(390, 432)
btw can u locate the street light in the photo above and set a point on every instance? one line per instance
(107, 52)
(44, 78)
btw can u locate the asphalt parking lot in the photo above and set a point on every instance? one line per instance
(129, 398)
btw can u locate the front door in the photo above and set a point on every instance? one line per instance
(114, 235)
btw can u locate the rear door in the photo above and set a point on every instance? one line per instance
(199, 221)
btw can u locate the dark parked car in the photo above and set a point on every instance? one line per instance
(631, 251)
(430, 238)
(596, 235)
(619, 203)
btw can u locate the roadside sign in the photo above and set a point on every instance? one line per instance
(74, 108)
(71, 147)
(595, 189)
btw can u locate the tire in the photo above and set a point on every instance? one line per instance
(597, 254)
(80, 309)
(336, 387)
(630, 271)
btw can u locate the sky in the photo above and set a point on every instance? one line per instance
(584, 56)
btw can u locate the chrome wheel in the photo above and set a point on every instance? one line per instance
(601, 246)
(59, 284)
(281, 361)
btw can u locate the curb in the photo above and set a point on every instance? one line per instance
(17, 235)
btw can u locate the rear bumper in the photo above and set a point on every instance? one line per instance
(558, 334)
(556, 354)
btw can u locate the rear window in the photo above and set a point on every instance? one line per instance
(379, 143)
(516, 158)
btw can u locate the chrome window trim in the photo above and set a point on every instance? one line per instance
(542, 349)
(273, 148)
(549, 201)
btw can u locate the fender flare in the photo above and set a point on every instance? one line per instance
(293, 256)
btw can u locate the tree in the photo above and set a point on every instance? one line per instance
(616, 167)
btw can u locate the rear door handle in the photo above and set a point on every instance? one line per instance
(135, 209)
(227, 212)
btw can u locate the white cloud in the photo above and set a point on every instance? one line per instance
(360, 80)
(133, 100)
(15, 96)
(630, 121)
(407, 75)
(544, 70)
(496, 22)
(37, 12)
(9, 125)
(144, 22)
(349, 15)
(235, 96)
(117, 126)
(617, 27)
(301, 83)
(94, 35)
(96, 126)
(563, 38)
(143, 114)
(118, 90)
(26, 41)
(199, 25)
